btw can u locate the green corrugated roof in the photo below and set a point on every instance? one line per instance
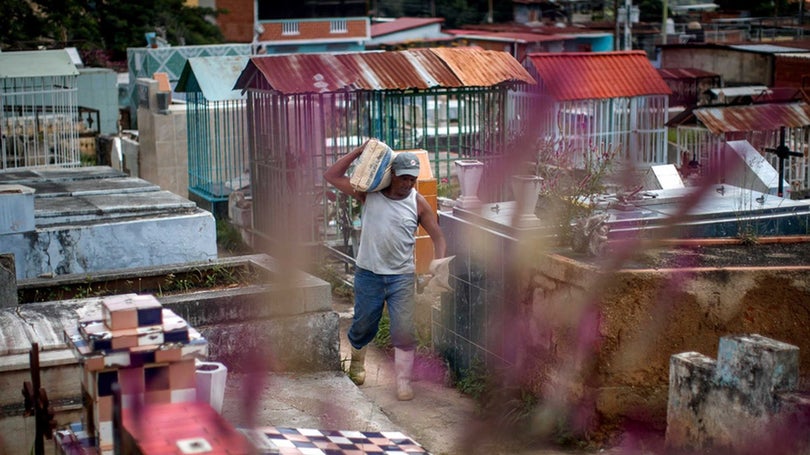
(36, 64)
(213, 76)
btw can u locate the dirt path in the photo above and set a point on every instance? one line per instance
(441, 418)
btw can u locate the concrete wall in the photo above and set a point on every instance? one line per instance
(735, 67)
(163, 142)
(115, 244)
(640, 318)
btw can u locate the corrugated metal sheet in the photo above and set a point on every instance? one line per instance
(731, 92)
(757, 117)
(213, 76)
(36, 64)
(301, 73)
(685, 73)
(395, 70)
(476, 67)
(789, 70)
(598, 75)
(765, 48)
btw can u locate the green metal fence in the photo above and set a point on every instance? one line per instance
(217, 147)
(295, 138)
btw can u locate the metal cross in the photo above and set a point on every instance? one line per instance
(37, 403)
(783, 153)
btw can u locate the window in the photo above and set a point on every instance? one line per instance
(289, 28)
(338, 26)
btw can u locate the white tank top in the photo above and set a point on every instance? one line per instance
(389, 234)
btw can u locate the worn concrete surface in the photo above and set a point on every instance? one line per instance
(440, 418)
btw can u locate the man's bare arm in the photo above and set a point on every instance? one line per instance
(336, 174)
(429, 221)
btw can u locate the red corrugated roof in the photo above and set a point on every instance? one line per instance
(597, 75)
(755, 117)
(394, 70)
(402, 24)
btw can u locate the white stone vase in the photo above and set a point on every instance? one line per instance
(526, 189)
(469, 177)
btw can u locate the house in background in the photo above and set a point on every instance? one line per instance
(792, 70)
(520, 39)
(407, 32)
(690, 86)
(536, 11)
(593, 104)
(737, 64)
(280, 27)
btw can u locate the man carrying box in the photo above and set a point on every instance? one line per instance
(385, 270)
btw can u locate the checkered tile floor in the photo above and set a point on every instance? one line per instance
(279, 440)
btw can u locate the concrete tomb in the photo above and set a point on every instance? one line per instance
(84, 220)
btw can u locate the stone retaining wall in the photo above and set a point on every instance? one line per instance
(611, 335)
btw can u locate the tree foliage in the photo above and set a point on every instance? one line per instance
(18, 24)
(107, 26)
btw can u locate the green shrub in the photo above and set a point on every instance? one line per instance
(229, 239)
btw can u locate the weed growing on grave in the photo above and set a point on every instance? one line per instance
(474, 381)
(748, 236)
(229, 240)
(569, 187)
(448, 187)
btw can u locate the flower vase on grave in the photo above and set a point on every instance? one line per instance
(526, 189)
(469, 176)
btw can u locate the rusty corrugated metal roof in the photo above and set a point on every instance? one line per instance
(756, 117)
(403, 69)
(597, 75)
(299, 73)
(394, 70)
(476, 67)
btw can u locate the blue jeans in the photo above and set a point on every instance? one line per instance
(371, 292)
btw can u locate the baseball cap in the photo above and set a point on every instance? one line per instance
(405, 163)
